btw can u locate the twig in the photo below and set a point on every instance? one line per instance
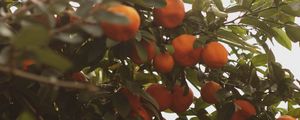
(48, 80)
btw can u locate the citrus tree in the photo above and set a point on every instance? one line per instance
(134, 59)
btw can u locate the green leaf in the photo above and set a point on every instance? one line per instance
(149, 3)
(219, 4)
(269, 12)
(5, 31)
(121, 103)
(258, 24)
(271, 99)
(260, 60)
(292, 8)
(293, 31)
(94, 30)
(109, 17)
(223, 33)
(188, 1)
(26, 116)
(282, 38)
(49, 57)
(235, 9)
(192, 76)
(247, 3)
(31, 36)
(142, 52)
(200, 5)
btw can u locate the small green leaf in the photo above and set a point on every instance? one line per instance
(121, 104)
(293, 31)
(282, 38)
(142, 52)
(26, 116)
(94, 30)
(49, 57)
(292, 8)
(258, 24)
(110, 17)
(260, 60)
(269, 12)
(192, 76)
(31, 36)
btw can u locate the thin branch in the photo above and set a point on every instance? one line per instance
(48, 80)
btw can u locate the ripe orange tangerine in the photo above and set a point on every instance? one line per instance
(180, 101)
(122, 32)
(209, 91)
(163, 62)
(214, 55)
(161, 94)
(286, 117)
(171, 15)
(184, 52)
(247, 109)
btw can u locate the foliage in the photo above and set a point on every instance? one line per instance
(62, 38)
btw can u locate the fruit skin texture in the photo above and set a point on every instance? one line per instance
(286, 117)
(163, 62)
(184, 52)
(136, 107)
(247, 109)
(150, 49)
(214, 55)
(238, 115)
(208, 92)
(171, 15)
(122, 32)
(181, 102)
(161, 94)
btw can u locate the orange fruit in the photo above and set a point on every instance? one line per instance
(78, 76)
(150, 49)
(180, 101)
(27, 63)
(161, 94)
(122, 32)
(209, 91)
(163, 62)
(184, 52)
(238, 115)
(171, 15)
(247, 109)
(286, 117)
(133, 100)
(214, 55)
(141, 112)
(137, 110)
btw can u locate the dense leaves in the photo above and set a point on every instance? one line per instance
(62, 37)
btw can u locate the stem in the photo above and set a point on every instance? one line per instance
(48, 80)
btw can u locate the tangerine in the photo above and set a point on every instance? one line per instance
(214, 55)
(180, 101)
(122, 32)
(184, 52)
(209, 91)
(238, 115)
(247, 109)
(163, 62)
(161, 94)
(171, 15)
(286, 117)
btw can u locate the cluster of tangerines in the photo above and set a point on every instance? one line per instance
(213, 55)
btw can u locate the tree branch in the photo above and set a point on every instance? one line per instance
(48, 80)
